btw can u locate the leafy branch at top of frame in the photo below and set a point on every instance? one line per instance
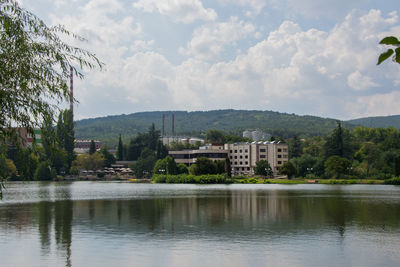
(394, 42)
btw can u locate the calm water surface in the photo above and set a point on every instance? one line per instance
(126, 224)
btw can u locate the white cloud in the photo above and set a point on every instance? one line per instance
(309, 72)
(255, 5)
(186, 11)
(357, 81)
(208, 41)
(375, 105)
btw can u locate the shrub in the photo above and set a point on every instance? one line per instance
(43, 171)
(190, 179)
(393, 181)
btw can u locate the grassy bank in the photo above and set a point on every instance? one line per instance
(191, 179)
(223, 179)
(307, 181)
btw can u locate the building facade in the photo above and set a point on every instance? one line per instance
(83, 146)
(244, 156)
(189, 157)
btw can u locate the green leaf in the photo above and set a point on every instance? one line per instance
(397, 57)
(390, 40)
(385, 56)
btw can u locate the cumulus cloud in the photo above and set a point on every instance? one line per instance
(255, 5)
(357, 81)
(186, 11)
(208, 41)
(326, 72)
(293, 70)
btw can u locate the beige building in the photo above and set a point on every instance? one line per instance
(244, 156)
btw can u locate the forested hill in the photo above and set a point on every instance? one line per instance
(378, 122)
(107, 129)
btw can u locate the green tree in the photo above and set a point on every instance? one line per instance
(145, 163)
(182, 169)
(337, 166)
(44, 172)
(339, 143)
(215, 136)
(92, 147)
(120, 149)
(69, 136)
(7, 169)
(162, 150)
(263, 168)
(306, 164)
(35, 67)
(228, 167)
(289, 169)
(108, 157)
(295, 147)
(89, 162)
(203, 165)
(394, 50)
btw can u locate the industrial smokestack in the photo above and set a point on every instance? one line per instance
(71, 96)
(173, 124)
(163, 125)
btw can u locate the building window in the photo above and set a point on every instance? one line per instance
(241, 157)
(279, 162)
(279, 150)
(285, 156)
(235, 157)
(246, 157)
(248, 168)
(279, 156)
(240, 151)
(246, 162)
(235, 151)
(246, 151)
(241, 163)
(230, 151)
(262, 156)
(262, 150)
(235, 162)
(285, 150)
(230, 157)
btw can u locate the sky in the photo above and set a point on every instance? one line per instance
(308, 57)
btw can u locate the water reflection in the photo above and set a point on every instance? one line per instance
(223, 214)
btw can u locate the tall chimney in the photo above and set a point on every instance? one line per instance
(163, 125)
(173, 124)
(71, 96)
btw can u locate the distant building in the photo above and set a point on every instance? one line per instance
(26, 139)
(167, 140)
(83, 146)
(256, 135)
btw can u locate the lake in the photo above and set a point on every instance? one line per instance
(129, 224)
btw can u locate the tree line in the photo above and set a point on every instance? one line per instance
(359, 153)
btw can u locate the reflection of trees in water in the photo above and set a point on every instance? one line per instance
(63, 211)
(225, 213)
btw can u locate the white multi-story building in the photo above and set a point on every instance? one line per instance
(244, 156)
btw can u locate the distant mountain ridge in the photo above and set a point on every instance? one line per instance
(378, 122)
(196, 123)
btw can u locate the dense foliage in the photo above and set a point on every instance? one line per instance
(360, 153)
(231, 122)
